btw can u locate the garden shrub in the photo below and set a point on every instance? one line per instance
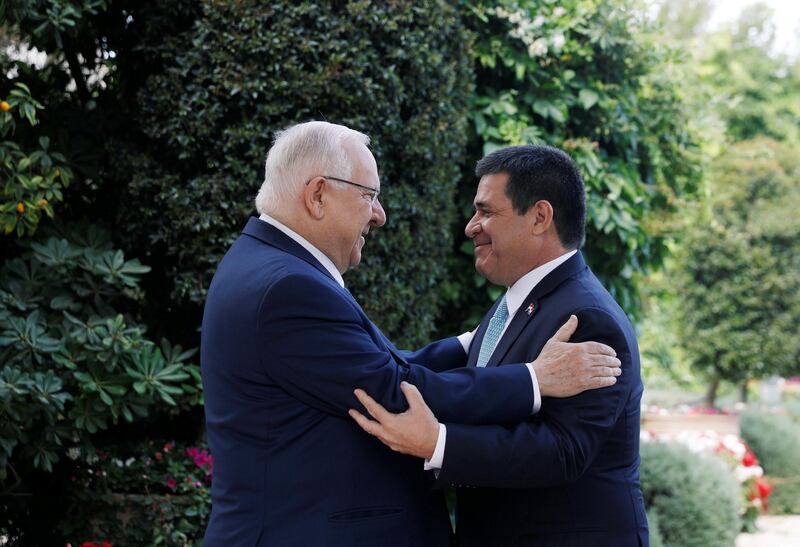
(655, 531)
(775, 439)
(74, 364)
(192, 161)
(695, 496)
(146, 493)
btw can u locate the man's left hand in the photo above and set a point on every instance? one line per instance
(413, 432)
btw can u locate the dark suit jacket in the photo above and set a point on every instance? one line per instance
(282, 348)
(568, 476)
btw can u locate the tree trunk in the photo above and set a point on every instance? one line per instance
(711, 394)
(75, 70)
(743, 392)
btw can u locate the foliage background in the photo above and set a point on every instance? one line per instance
(132, 139)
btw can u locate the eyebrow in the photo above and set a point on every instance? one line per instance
(482, 205)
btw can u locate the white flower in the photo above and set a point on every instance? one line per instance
(559, 11)
(129, 461)
(117, 462)
(559, 41)
(734, 444)
(501, 12)
(538, 47)
(74, 453)
(515, 17)
(743, 473)
(538, 21)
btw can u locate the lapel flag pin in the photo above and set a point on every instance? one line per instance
(530, 309)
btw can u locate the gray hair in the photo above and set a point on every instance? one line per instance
(301, 152)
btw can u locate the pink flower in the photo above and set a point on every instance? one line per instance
(192, 452)
(159, 456)
(172, 483)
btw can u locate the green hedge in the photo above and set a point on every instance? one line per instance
(775, 440)
(696, 498)
(192, 161)
(654, 523)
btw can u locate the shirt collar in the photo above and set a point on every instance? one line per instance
(517, 293)
(316, 253)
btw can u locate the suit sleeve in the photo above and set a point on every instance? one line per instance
(319, 348)
(556, 446)
(439, 356)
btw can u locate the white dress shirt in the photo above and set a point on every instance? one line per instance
(515, 298)
(316, 253)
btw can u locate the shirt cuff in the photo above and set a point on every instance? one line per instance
(438, 453)
(537, 396)
(466, 340)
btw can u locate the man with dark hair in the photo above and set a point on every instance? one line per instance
(569, 475)
(542, 173)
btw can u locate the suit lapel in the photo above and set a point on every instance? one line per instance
(513, 331)
(530, 306)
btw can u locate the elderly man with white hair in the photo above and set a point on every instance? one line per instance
(284, 344)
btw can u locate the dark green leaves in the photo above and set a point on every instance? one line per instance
(72, 364)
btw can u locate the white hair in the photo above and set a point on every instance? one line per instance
(301, 152)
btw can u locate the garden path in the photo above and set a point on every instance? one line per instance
(774, 531)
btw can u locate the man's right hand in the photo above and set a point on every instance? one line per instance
(564, 369)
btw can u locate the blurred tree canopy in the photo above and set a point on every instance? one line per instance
(731, 290)
(757, 89)
(736, 270)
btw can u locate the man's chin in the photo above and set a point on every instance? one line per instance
(355, 260)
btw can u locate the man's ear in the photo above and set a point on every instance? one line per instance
(541, 217)
(313, 197)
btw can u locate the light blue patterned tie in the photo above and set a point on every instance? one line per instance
(492, 336)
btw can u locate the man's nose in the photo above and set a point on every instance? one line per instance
(473, 227)
(378, 214)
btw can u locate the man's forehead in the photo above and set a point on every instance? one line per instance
(491, 187)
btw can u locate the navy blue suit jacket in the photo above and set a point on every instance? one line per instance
(283, 346)
(569, 476)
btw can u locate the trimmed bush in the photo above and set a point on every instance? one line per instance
(695, 497)
(653, 524)
(775, 440)
(192, 161)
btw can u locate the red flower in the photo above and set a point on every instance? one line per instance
(764, 489)
(749, 459)
(172, 483)
(159, 456)
(169, 446)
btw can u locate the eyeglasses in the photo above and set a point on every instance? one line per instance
(373, 193)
